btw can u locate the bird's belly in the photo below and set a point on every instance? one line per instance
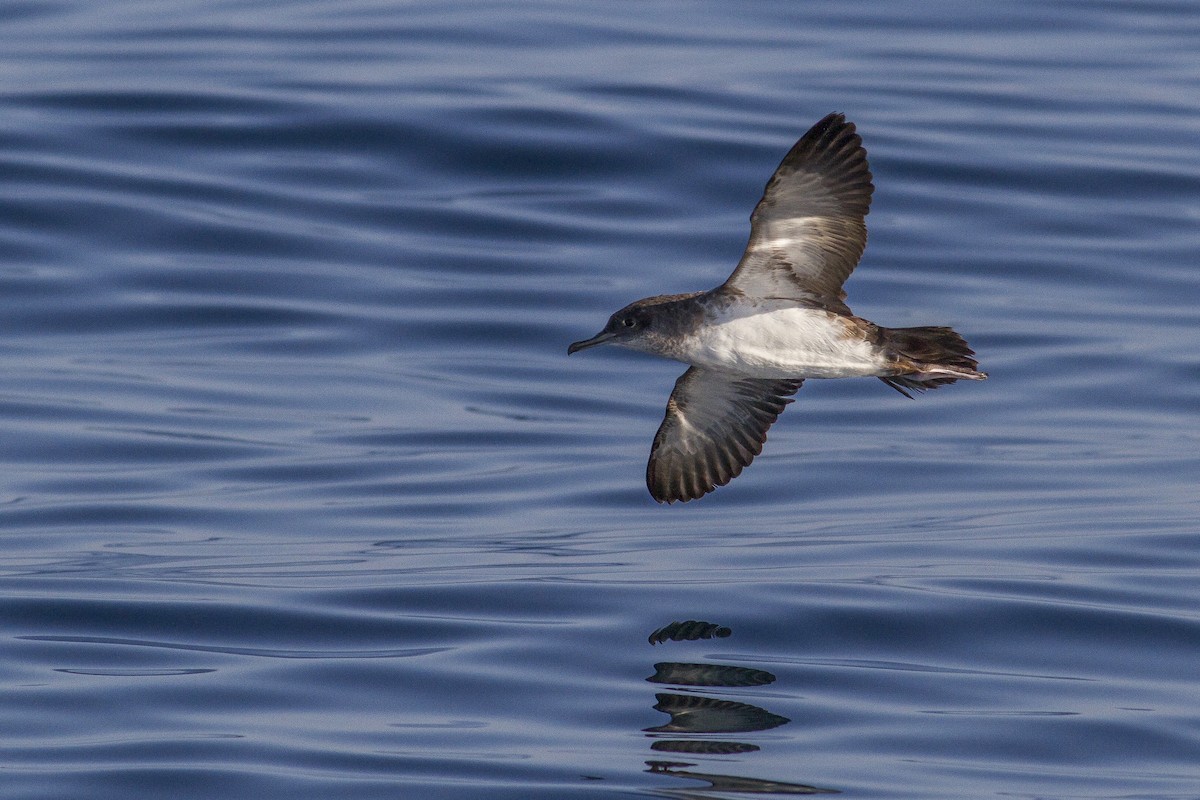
(787, 343)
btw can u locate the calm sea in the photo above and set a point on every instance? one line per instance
(301, 497)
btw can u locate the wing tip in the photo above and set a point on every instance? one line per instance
(689, 486)
(832, 148)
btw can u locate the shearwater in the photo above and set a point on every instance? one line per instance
(778, 319)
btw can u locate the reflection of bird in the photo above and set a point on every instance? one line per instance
(702, 747)
(778, 319)
(728, 783)
(709, 675)
(690, 630)
(692, 714)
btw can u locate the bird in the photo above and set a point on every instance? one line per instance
(779, 319)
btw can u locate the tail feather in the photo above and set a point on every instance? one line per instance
(927, 358)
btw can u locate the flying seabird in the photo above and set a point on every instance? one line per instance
(780, 318)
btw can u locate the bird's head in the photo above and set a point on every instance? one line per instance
(628, 328)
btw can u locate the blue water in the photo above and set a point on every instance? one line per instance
(302, 497)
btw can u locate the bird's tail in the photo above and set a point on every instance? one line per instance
(927, 358)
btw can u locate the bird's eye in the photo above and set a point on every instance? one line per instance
(629, 322)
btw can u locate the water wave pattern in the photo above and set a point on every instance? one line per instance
(302, 497)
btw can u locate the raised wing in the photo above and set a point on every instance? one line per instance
(808, 231)
(715, 425)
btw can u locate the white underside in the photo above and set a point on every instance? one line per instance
(789, 342)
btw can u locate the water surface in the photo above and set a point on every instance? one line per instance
(303, 498)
